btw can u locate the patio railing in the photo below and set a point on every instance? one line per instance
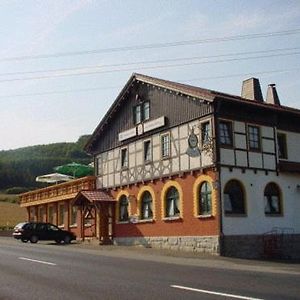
(57, 192)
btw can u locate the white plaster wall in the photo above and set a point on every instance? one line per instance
(240, 141)
(111, 166)
(179, 161)
(268, 146)
(269, 161)
(206, 159)
(239, 127)
(156, 153)
(175, 164)
(267, 132)
(117, 179)
(241, 158)
(183, 130)
(111, 181)
(139, 158)
(183, 146)
(256, 222)
(255, 160)
(227, 156)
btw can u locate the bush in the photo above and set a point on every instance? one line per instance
(6, 228)
(16, 190)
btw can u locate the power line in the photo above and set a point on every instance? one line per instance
(60, 92)
(147, 62)
(186, 80)
(156, 45)
(147, 67)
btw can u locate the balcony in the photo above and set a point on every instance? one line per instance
(58, 192)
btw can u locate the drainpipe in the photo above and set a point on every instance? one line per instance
(217, 108)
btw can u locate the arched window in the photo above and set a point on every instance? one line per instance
(172, 203)
(234, 198)
(272, 199)
(123, 208)
(204, 199)
(146, 206)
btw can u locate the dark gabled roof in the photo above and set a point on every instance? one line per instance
(185, 89)
(188, 90)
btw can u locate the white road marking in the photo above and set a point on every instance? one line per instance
(38, 261)
(214, 293)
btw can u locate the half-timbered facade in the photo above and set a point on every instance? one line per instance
(193, 169)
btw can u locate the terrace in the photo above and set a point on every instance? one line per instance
(57, 192)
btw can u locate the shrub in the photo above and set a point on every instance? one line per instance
(16, 190)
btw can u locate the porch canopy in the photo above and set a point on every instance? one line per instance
(97, 207)
(92, 197)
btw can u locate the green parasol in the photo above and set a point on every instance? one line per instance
(75, 169)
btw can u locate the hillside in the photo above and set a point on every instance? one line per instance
(20, 167)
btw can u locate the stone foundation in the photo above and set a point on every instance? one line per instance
(200, 244)
(240, 246)
(261, 246)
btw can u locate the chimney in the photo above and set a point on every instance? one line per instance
(272, 96)
(251, 90)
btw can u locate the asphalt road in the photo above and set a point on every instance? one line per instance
(49, 271)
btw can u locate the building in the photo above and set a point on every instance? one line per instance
(181, 167)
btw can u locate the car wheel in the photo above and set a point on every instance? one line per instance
(24, 240)
(58, 241)
(34, 239)
(67, 239)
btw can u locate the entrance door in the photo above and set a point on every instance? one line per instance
(106, 215)
(89, 220)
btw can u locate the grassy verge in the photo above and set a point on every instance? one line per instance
(11, 214)
(9, 198)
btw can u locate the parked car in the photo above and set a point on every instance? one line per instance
(35, 231)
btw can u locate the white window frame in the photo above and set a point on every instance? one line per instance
(202, 123)
(147, 159)
(124, 162)
(168, 148)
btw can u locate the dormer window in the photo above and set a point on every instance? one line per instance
(141, 112)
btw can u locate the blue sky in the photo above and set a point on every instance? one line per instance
(58, 107)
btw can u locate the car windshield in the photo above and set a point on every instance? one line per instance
(20, 225)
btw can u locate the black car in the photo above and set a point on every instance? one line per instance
(35, 231)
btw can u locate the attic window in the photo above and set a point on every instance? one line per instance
(137, 116)
(141, 112)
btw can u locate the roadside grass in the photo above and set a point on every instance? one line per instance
(8, 198)
(11, 214)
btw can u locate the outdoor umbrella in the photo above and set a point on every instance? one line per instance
(75, 169)
(53, 178)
